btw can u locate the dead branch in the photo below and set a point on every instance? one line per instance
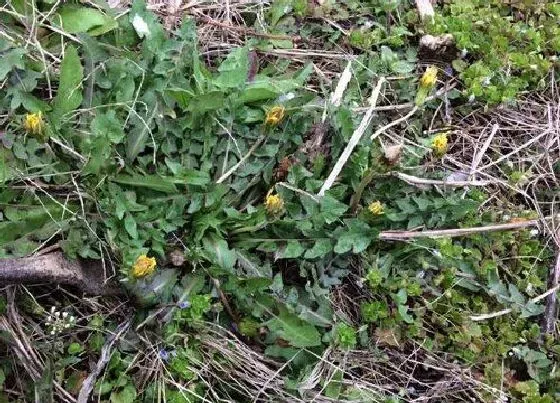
(415, 180)
(550, 312)
(354, 140)
(447, 233)
(55, 268)
(89, 382)
(425, 9)
(538, 298)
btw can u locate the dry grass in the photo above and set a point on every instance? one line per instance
(517, 149)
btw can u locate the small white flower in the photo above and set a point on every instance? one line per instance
(57, 314)
(52, 332)
(140, 26)
(72, 318)
(506, 217)
(67, 325)
(534, 232)
(286, 97)
(53, 309)
(533, 67)
(64, 315)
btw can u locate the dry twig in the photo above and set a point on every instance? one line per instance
(354, 140)
(89, 382)
(449, 233)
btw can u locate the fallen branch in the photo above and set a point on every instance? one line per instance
(448, 233)
(234, 168)
(393, 123)
(354, 140)
(478, 156)
(478, 318)
(336, 96)
(550, 310)
(89, 382)
(55, 268)
(414, 180)
(407, 105)
(425, 9)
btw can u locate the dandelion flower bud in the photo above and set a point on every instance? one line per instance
(439, 144)
(144, 266)
(273, 203)
(33, 123)
(375, 208)
(429, 78)
(274, 115)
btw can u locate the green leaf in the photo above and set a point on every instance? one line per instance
(75, 19)
(138, 134)
(125, 395)
(147, 26)
(321, 317)
(403, 313)
(191, 177)
(157, 288)
(233, 70)
(75, 348)
(257, 93)
(10, 59)
(210, 101)
(69, 95)
(532, 309)
(4, 166)
(357, 237)
(515, 296)
(334, 387)
(130, 226)
(332, 209)
(292, 250)
(108, 126)
(402, 67)
(153, 182)
(320, 249)
(278, 9)
(400, 297)
(294, 330)
(219, 252)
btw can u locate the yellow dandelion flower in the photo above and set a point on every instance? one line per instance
(144, 266)
(375, 208)
(429, 78)
(273, 203)
(33, 123)
(439, 144)
(274, 115)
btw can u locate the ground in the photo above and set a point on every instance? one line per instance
(281, 200)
